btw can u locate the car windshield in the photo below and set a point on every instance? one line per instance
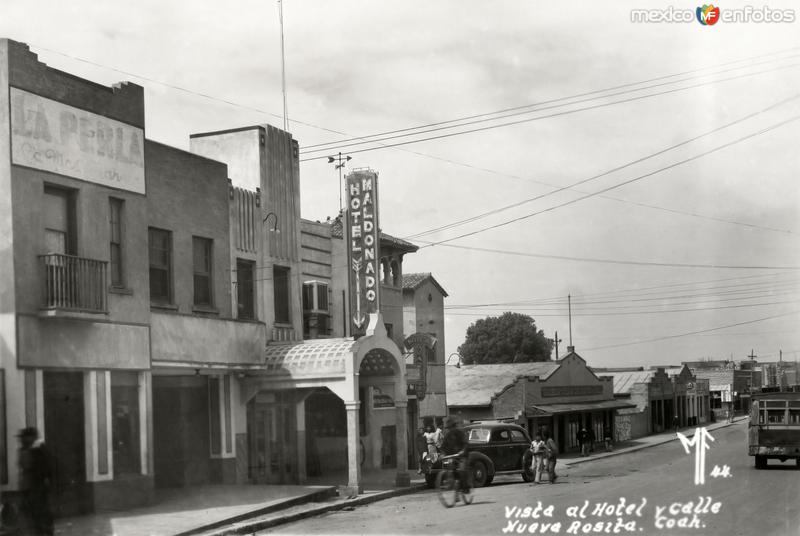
(479, 435)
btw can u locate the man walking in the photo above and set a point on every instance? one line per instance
(34, 483)
(551, 448)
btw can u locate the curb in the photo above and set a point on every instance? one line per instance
(249, 528)
(319, 495)
(639, 447)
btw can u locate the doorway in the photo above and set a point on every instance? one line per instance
(272, 434)
(64, 426)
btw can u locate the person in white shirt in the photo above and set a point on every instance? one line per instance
(538, 449)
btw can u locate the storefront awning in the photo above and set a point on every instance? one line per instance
(555, 409)
(320, 358)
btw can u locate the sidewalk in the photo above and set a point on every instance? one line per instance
(574, 458)
(223, 510)
(216, 509)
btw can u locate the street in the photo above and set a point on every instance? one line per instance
(651, 491)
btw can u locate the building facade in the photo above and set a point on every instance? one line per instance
(558, 397)
(166, 316)
(663, 398)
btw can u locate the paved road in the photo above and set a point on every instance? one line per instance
(655, 487)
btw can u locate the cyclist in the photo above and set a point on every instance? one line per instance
(455, 442)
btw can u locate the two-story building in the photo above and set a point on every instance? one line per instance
(154, 304)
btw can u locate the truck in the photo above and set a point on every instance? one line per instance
(774, 427)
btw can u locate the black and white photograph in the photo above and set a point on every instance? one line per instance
(393, 267)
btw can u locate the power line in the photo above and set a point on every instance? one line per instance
(605, 173)
(676, 336)
(633, 294)
(557, 114)
(534, 312)
(639, 289)
(624, 183)
(617, 261)
(462, 122)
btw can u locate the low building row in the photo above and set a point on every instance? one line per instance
(562, 397)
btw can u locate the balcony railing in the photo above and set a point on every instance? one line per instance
(74, 284)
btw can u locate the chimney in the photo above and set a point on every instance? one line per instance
(570, 349)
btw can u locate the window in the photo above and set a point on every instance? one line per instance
(479, 435)
(517, 436)
(115, 254)
(59, 221)
(501, 436)
(308, 296)
(125, 424)
(203, 258)
(160, 245)
(245, 287)
(280, 280)
(389, 330)
(315, 296)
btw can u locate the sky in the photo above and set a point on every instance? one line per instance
(647, 170)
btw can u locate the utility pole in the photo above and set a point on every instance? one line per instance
(752, 357)
(569, 305)
(340, 162)
(556, 341)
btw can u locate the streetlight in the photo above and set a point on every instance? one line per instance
(340, 164)
(458, 363)
(274, 228)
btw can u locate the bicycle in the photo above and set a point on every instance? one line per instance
(448, 483)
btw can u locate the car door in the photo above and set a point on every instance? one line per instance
(519, 444)
(503, 452)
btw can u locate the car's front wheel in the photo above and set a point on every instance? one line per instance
(480, 476)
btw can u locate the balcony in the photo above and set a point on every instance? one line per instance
(73, 286)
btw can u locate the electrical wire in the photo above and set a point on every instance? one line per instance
(624, 183)
(690, 333)
(608, 172)
(604, 90)
(557, 114)
(339, 146)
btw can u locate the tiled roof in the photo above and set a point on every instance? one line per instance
(399, 243)
(476, 385)
(624, 381)
(414, 280)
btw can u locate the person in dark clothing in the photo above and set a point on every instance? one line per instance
(591, 438)
(455, 442)
(34, 483)
(583, 441)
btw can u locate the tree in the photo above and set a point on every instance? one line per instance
(509, 338)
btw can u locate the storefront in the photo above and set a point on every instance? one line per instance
(551, 397)
(326, 407)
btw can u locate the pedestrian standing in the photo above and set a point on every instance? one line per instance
(552, 457)
(583, 442)
(591, 438)
(538, 449)
(35, 477)
(422, 448)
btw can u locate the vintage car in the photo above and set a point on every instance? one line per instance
(494, 449)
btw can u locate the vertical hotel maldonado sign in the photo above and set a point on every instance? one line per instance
(58, 138)
(362, 247)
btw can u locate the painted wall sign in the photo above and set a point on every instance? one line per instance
(59, 138)
(363, 251)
